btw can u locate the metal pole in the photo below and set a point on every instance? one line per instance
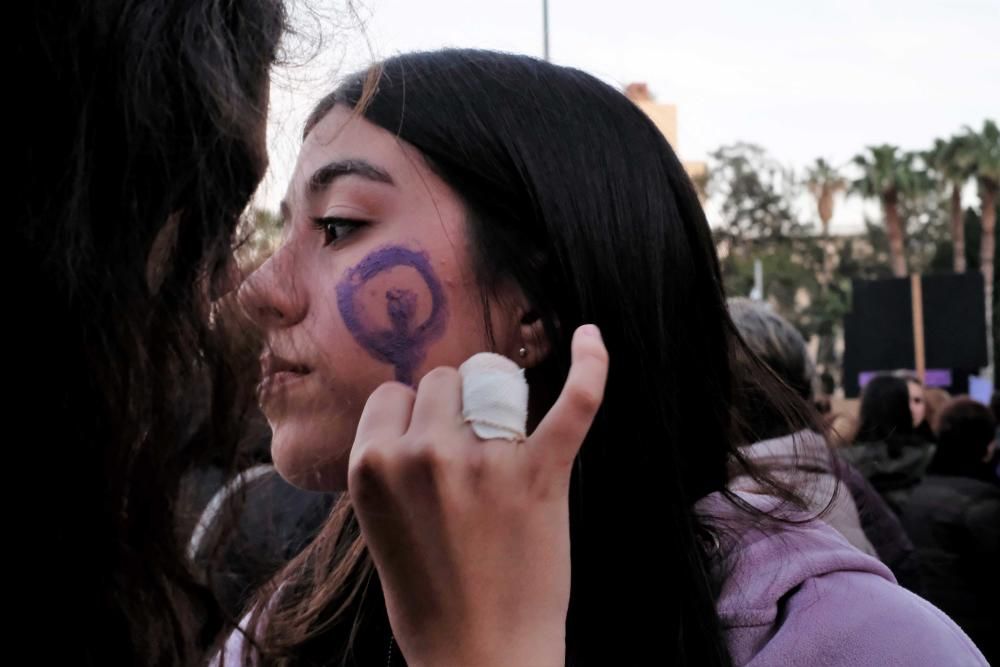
(545, 26)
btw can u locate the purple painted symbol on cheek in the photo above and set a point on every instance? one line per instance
(404, 343)
(402, 306)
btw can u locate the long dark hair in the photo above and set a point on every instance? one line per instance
(139, 143)
(885, 414)
(573, 193)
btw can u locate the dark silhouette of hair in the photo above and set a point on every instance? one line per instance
(138, 144)
(885, 413)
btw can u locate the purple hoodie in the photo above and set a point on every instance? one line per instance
(800, 594)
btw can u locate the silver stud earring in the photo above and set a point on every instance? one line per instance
(522, 353)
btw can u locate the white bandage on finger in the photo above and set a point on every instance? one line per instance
(494, 397)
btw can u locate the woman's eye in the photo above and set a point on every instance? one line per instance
(334, 229)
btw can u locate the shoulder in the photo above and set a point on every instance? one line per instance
(855, 618)
(798, 593)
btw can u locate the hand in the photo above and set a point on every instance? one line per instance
(471, 537)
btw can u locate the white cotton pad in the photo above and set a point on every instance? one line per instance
(494, 397)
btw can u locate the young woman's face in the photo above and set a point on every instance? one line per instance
(373, 282)
(917, 407)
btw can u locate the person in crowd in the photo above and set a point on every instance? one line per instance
(845, 498)
(953, 516)
(887, 449)
(450, 203)
(138, 145)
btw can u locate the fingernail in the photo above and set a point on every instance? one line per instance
(590, 330)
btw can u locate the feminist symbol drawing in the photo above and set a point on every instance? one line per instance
(404, 342)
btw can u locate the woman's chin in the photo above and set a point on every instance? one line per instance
(307, 464)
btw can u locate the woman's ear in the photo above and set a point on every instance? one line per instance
(523, 338)
(533, 341)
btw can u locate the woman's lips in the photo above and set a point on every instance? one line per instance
(279, 374)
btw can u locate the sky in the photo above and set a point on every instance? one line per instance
(803, 79)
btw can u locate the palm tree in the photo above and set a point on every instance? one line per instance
(824, 182)
(889, 175)
(949, 158)
(983, 159)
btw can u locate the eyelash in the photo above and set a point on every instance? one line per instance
(328, 226)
